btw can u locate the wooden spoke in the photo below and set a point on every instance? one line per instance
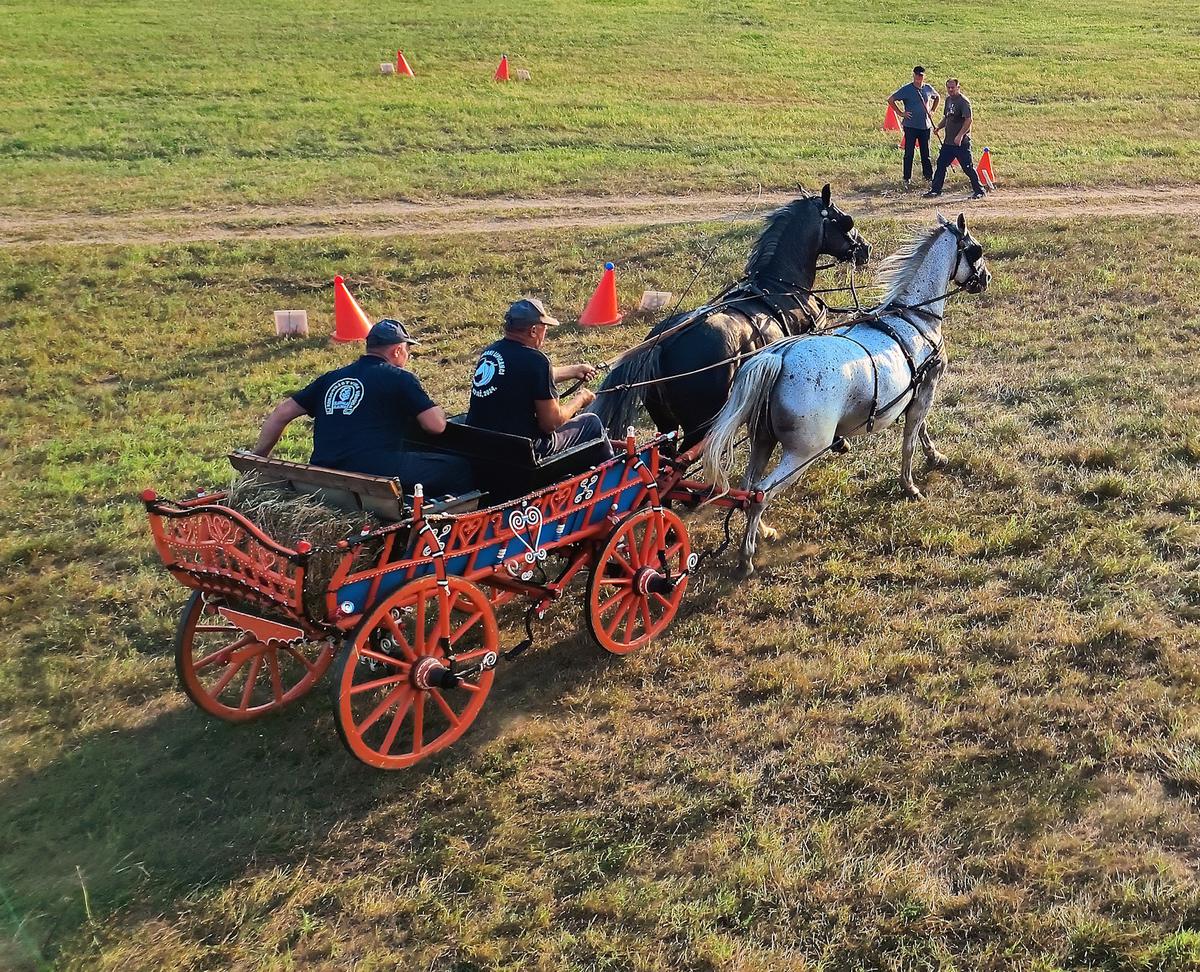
(222, 654)
(419, 723)
(224, 680)
(384, 659)
(276, 679)
(388, 701)
(248, 689)
(378, 683)
(299, 656)
(398, 636)
(445, 707)
(394, 729)
(619, 596)
(465, 627)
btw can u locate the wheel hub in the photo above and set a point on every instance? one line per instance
(429, 672)
(650, 581)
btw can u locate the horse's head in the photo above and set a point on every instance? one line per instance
(839, 238)
(970, 271)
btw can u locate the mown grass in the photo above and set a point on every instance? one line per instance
(960, 734)
(162, 105)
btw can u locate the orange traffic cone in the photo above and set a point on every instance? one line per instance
(602, 308)
(985, 169)
(901, 145)
(402, 67)
(502, 70)
(890, 122)
(349, 321)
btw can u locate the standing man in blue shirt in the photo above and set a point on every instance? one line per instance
(512, 388)
(915, 103)
(360, 413)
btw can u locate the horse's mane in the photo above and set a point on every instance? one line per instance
(896, 271)
(777, 224)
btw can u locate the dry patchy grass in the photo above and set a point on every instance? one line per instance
(960, 734)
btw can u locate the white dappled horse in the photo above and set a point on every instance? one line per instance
(811, 393)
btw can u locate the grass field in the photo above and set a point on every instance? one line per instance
(953, 735)
(144, 105)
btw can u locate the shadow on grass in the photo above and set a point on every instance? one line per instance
(184, 804)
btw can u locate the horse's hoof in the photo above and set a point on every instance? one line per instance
(913, 494)
(768, 533)
(744, 570)
(936, 460)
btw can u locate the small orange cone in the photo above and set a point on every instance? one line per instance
(349, 321)
(890, 122)
(602, 308)
(901, 145)
(502, 70)
(402, 67)
(985, 169)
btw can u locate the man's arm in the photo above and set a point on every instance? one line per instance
(553, 414)
(964, 131)
(432, 420)
(582, 371)
(286, 411)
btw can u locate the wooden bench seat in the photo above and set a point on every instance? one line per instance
(380, 495)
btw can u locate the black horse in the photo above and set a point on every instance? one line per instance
(773, 300)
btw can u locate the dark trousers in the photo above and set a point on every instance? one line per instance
(585, 427)
(912, 138)
(437, 473)
(948, 154)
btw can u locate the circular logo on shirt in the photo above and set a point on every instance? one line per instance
(344, 396)
(491, 364)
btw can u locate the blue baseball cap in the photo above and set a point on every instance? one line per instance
(388, 332)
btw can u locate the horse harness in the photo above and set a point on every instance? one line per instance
(878, 320)
(784, 307)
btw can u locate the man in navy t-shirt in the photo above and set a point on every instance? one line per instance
(512, 388)
(359, 415)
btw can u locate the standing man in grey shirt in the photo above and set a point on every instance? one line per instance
(957, 122)
(915, 103)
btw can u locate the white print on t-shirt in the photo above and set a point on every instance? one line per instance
(344, 395)
(491, 363)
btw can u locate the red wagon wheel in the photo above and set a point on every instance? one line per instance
(237, 665)
(396, 700)
(638, 580)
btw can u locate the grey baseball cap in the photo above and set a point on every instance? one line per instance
(388, 332)
(527, 311)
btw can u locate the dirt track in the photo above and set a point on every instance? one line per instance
(514, 215)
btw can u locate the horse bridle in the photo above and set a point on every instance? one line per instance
(858, 245)
(973, 253)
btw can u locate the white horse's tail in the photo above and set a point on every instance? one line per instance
(747, 404)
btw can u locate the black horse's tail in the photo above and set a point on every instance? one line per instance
(618, 398)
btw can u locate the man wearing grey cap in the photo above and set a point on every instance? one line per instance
(359, 415)
(513, 387)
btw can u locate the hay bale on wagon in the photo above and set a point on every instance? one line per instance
(289, 517)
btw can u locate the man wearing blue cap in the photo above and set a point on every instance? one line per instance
(513, 387)
(915, 103)
(359, 415)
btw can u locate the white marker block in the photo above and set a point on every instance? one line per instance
(387, 67)
(521, 74)
(291, 323)
(653, 300)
